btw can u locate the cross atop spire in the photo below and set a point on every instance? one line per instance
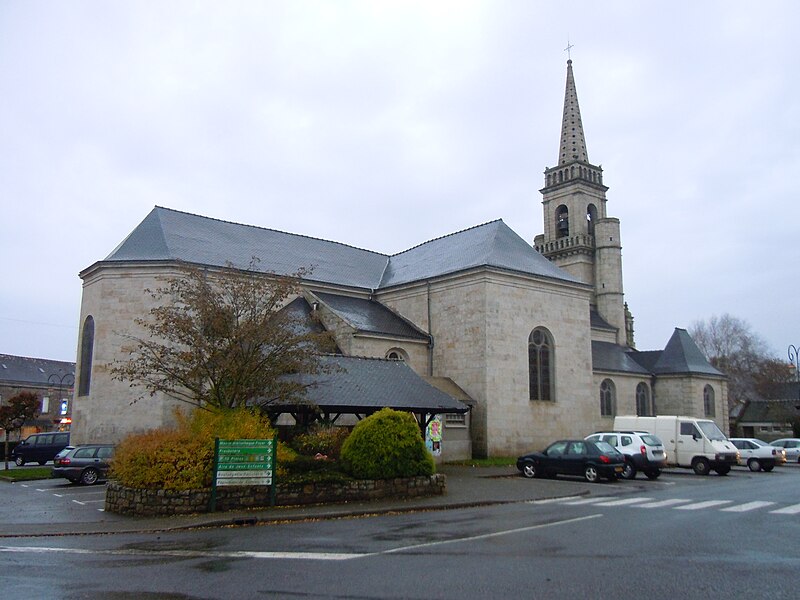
(573, 142)
(567, 50)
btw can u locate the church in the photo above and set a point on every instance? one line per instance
(511, 345)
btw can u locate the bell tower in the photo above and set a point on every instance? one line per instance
(578, 235)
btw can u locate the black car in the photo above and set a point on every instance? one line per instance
(85, 464)
(40, 447)
(584, 458)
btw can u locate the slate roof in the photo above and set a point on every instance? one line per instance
(170, 235)
(369, 316)
(357, 385)
(613, 357)
(769, 411)
(680, 357)
(598, 322)
(23, 371)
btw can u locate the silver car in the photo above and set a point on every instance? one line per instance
(792, 447)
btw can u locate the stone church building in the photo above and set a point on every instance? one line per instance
(537, 338)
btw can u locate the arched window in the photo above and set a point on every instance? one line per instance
(708, 401)
(87, 346)
(540, 365)
(643, 406)
(608, 398)
(591, 217)
(562, 221)
(397, 354)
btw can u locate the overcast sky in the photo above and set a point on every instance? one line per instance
(385, 124)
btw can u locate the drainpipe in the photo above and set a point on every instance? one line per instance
(430, 333)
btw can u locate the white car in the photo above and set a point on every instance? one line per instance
(642, 451)
(758, 455)
(791, 446)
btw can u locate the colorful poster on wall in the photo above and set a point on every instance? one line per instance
(433, 436)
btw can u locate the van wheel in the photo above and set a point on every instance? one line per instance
(753, 464)
(701, 466)
(19, 461)
(89, 477)
(653, 473)
(629, 471)
(723, 470)
(769, 468)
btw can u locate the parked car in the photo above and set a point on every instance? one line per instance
(40, 447)
(642, 451)
(758, 455)
(791, 446)
(86, 464)
(589, 459)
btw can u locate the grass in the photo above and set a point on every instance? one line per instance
(495, 461)
(25, 474)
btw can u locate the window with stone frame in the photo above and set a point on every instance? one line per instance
(608, 398)
(644, 407)
(540, 365)
(708, 401)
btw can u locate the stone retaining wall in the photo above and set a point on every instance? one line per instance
(140, 502)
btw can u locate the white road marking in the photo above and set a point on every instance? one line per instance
(623, 502)
(488, 535)
(553, 500)
(79, 502)
(278, 555)
(788, 510)
(748, 506)
(663, 503)
(699, 505)
(589, 500)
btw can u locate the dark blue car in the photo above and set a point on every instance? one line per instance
(582, 458)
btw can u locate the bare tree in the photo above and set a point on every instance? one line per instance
(20, 408)
(731, 346)
(221, 340)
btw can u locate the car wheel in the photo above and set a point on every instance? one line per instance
(42, 462)
(723, 470)
(769, 468)
(653, 473)
(753, 464)
(701, 466)
(629, 471)
(529, 469)
(590, 473)
(89, 477)
(19, 461)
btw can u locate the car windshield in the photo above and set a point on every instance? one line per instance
(652, 440)
(711, 430)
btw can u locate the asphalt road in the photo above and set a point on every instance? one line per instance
(679, 537)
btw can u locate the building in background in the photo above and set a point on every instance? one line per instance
(51, 380)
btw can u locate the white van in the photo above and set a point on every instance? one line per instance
(695, 443)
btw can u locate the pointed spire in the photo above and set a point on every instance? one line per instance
(573, 142)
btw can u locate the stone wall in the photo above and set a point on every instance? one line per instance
(148, 503)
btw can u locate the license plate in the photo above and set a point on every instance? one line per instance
(618, 469)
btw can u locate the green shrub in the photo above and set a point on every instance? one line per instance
(182, 458)
(385, 445)
(321, 439)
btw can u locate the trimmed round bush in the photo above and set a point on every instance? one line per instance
(386, 445)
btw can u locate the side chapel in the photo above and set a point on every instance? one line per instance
(511, 345)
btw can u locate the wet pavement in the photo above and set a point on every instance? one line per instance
(466, 487)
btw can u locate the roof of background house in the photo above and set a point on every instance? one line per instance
(37, 372)
(362, 385)
(769, 411)
(170, 235)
